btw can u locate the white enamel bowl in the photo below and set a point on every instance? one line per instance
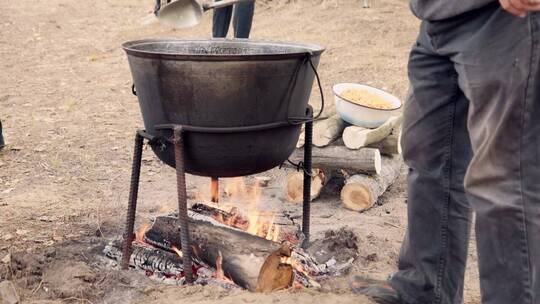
(360, 115)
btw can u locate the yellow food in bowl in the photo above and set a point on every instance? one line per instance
(367, 98)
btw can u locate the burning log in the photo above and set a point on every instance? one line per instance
(165, 267)
(242, 254)
(148, 258)
(232, 218)
(366, 160)
(294, 187)
(361, 192)
(286, 228)
(356, 137)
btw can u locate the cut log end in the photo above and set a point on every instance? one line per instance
(294, 188)
(274, 275)
(356, 197)
(361, 192)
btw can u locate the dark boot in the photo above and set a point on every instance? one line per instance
(379, 291)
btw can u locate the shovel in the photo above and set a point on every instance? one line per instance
(188, 13)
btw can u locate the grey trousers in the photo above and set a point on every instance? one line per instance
(242, 15)
(471, 138)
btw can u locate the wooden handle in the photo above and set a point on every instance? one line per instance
(224, 3)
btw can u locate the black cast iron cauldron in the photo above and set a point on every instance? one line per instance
(240, 102)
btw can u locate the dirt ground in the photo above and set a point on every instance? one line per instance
(69, 120)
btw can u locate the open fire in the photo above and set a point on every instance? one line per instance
(238, 206)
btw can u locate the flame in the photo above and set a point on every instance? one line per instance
(271, 228)
(273, 233)
(241, 201)
(253, 220)
(214, 189)
(139, 234)
(178, 252)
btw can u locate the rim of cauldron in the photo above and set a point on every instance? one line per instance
(298, 50)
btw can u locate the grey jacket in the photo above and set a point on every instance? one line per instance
(434, 10)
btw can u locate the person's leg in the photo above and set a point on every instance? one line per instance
(2, 144)
(497, 57)
(221, 21)
(436, 147)
(243, 18)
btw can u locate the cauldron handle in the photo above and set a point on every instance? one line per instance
(320, 87)
(301, 120)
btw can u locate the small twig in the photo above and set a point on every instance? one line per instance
(103, 279)
(77, 299)
(38, 287)
(84, 256)
(392, 225)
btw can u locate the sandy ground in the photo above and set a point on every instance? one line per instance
(69, 120)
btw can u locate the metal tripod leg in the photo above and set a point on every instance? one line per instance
(132, 205)
(307, 181)
(182, 204)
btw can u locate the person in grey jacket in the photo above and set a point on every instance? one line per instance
(471, 138)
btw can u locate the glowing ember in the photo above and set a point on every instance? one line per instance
(139, 234)
(178, 252)
(214, 189)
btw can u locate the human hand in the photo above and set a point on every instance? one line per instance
(520, 8)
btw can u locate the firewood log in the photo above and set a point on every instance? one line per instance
(366, 160)
(391, 145)
(356, 137)
(242, 254)
(328, 130)
(294, 186)
(361, 192)
(325, 131)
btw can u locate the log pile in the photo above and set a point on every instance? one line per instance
(366, 161)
